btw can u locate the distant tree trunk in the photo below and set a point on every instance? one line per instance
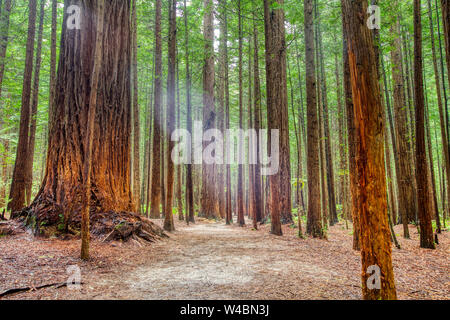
(53, 59)
(352, 138)
(4, 170)
(445, 4)
(251, 145)
(423, 194)
(179, 167)
(208, 197)
(148, 144)
(240, 179)
(301, 120)
(404, 175)
(442, 115)
(136, 118)
(326, 128)
(18, 186)
(170, 115)
(189, 186)
(90, 130)
(343, 179)
(257, 126)
(280, 205)
(374, 230)
(4, 38)
(34, 108)
(224, 40)
(156, 159)
(433, 193)
(314, 223)
(221, 110)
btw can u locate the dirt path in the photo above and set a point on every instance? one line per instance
(214, 261)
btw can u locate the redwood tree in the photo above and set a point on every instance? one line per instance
(374, 231)
(170, 115)
(208, 199)
(423, 193)
(314, 223)
(280, 205)
(59, 200)
(18, 185)
(156, 159)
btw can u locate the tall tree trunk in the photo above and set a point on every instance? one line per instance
(326, 128)
(423, 194)
(90, 129)
(53, 59)
(18, 186)
(445, 4)
(179, 184)
(221, 111)
(208, 197)
(314, 223)
(406, 193)
(34, 107)
(240, 179)
(156, 159)
(189, 185)
(136, 118)
(4, 38)
(170, 115)
(148, 144)
(352, 138)
(442, 115)
(277, 111)
(374, 230)
(60, 199)
(257, 125)
(343, 179)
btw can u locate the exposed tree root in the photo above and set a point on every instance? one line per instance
(18, 290)
(10, 228)
(48, 219)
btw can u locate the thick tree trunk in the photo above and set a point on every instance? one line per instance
(423, 194)
(208, 197)
(18, 186)
(90, 129)
(156, 159)
(59, 203)
(372, 211)
(170, 116)
(314, 223)
(277, 111)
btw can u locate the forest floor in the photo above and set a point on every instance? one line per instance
(209, 260)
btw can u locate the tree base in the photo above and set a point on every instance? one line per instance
(49, 220)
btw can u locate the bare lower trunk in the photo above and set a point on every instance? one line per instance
(372, 210)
